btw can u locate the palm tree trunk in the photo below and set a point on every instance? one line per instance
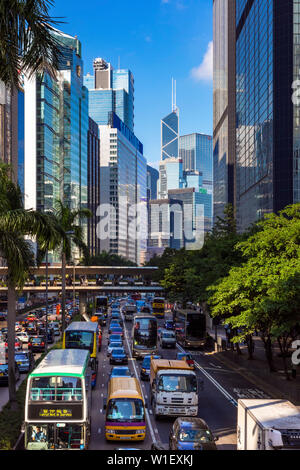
(63, 290)
(11, 322)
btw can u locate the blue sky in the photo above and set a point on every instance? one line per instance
(156, 40)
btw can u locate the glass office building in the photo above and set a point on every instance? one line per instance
(123, 190)
(195, 151)
(56, 129)
(93, 145)
(170, 176)
(152, 181)
(224, 30)
(170, 136)
(110, 91)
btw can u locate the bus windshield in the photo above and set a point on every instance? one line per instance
(49, 436)
(80, 340)
(177, 383)
(125, 410)
(54, 388)
(145, 333)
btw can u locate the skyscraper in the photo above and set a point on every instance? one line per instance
(170, 136)
(93, 146)
(195, 151)
(123, 189)
(152, 181)
(110, 91)
(268, 124)
(56, 128)
(224, 104)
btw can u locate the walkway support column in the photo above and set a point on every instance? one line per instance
(82, 303)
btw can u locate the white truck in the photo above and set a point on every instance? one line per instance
(174, 388)
(268, 424)
(129, 312)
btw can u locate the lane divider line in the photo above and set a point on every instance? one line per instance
(212, 380)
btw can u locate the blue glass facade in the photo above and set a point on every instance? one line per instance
(118, 99)
(195, 151)
(170, 136)
(152, 180)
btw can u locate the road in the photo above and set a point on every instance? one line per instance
(217, 402)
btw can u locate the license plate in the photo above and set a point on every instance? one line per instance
(125, 437)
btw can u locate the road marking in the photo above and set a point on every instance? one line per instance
(213, 381)
(136, 374)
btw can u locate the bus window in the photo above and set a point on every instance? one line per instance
(56, 389)
(125, 410)
(79, 340)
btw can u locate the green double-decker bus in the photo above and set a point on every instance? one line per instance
(58, 402)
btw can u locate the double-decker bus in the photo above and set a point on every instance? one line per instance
(125, 410)
(58, 402)
(84, 335)
(192, 333)
(102, 304)
(158, 307)
(144, 336)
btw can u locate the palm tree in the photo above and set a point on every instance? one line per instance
(72, 233)
(27, 44)
(16, 223)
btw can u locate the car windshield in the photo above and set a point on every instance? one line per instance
(117, 351)
(36, 340)
(21, 357)
(195, 435)
(3, 367)
(146, 362)
(125, 410)
(177, 383)
(168, 335)
(116, 338)
(115, 345)
(120, 372)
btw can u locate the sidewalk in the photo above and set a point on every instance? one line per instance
(257, 371)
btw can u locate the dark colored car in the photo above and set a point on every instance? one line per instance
(42, 332)
(120, 371)
(145, 368)
(24, 360)
(169, 325)
(31, 328)
(4, 373)
(36, 344)
(118, 356)
(191, 434)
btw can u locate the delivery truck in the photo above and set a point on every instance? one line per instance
(268, 424)
(174, 388)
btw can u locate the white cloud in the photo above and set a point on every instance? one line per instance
(205, 70)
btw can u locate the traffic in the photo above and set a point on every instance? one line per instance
(121, 379)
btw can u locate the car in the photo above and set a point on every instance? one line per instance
(120, 371)
(55, 328)
(3, 316)
(4, 373)
(186, 357)
(113, 345)
(115, 338)
(22, 336)
(145, 367)
(25, 361)
(191, 434)
(114, 324)
(118, 356)
(18, 344)
(31, 328)
(167, 339)
(115, 330)
(169, 325)
(50, 335)
(36, 344)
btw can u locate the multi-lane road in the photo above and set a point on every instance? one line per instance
(217, 402)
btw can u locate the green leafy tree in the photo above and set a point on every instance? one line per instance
(27, 44)
(263, 294)
(71, 233)
(16, 223)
